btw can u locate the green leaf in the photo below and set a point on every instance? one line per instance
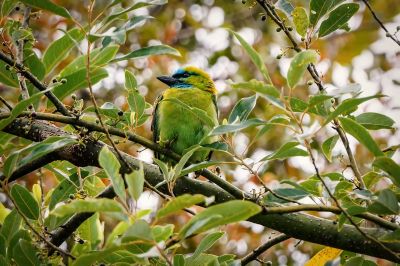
(62, 192)
(162, 232)
(328, 146)
(51, 144)
(184, 159)
(8, 76)
(136, 102)
(386, 203)
(109, 162)
(11, 225)
(242, 109)
(88, 205)
(91, 231)
(299, 65)
(300, 20)
(374, 121)
(25, 254)
(206, 243)
(77, 80)
(4, 212)
(35, 151)
(135, 182)
(33, 63)
(287, 150)
(291, 193)
(254, 56)
(347, 105)
(361, 134)
(60, 48)
(221, 214)
(389, 166)
(147, 51)
(98, 58)
(130, 81)
(224, 129)
(19, 108)
(337, 18)
(179, 260)
(139, 230)
(25, 202)
(179, 203)
(49, 6)
(318, 8)
(359, 261)
(6, 7)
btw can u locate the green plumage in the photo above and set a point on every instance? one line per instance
(175, 127)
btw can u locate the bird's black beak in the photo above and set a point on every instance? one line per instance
(168, 80)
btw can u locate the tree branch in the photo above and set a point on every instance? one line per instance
(35, 82)
(300, 226)
(388, 34)
(264, 247)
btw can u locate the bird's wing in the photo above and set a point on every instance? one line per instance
(154, 122)
(214, 99)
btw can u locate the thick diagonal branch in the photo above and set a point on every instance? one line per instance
(300, 226)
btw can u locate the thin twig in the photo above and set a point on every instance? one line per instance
(20, 55)
(6, 103)
(388, 34)
(353, 163)
(264, 247)
(35, 82)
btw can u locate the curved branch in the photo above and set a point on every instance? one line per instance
(299, 226)
(153, 146)
(264, 247)
(310, 207)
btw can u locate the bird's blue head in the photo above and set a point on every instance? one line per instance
(188, 78)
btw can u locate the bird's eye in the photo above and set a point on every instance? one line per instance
(185, 75)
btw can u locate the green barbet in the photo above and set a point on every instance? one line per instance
(177, 128)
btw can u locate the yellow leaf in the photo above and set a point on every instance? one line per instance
(323, 256)
(3, 213)
(37, 193)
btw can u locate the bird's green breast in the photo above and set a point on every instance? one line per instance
(179, 128)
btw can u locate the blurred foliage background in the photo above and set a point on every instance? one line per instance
(198, 29)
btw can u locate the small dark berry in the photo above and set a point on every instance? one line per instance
(7, 67)
(120, 113)
(97, 121)
(263, 18)
(54, 80)
(71, 196)
(73, 96)
(30, 106)
(388, 34)
(398, 28)
(17, 8)
(290, 28)
(33, 114)
(278, 29)
(243, 2)
(310, 82)
(279, 56)
(63, 81)
(303, 39)
(81, 241)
